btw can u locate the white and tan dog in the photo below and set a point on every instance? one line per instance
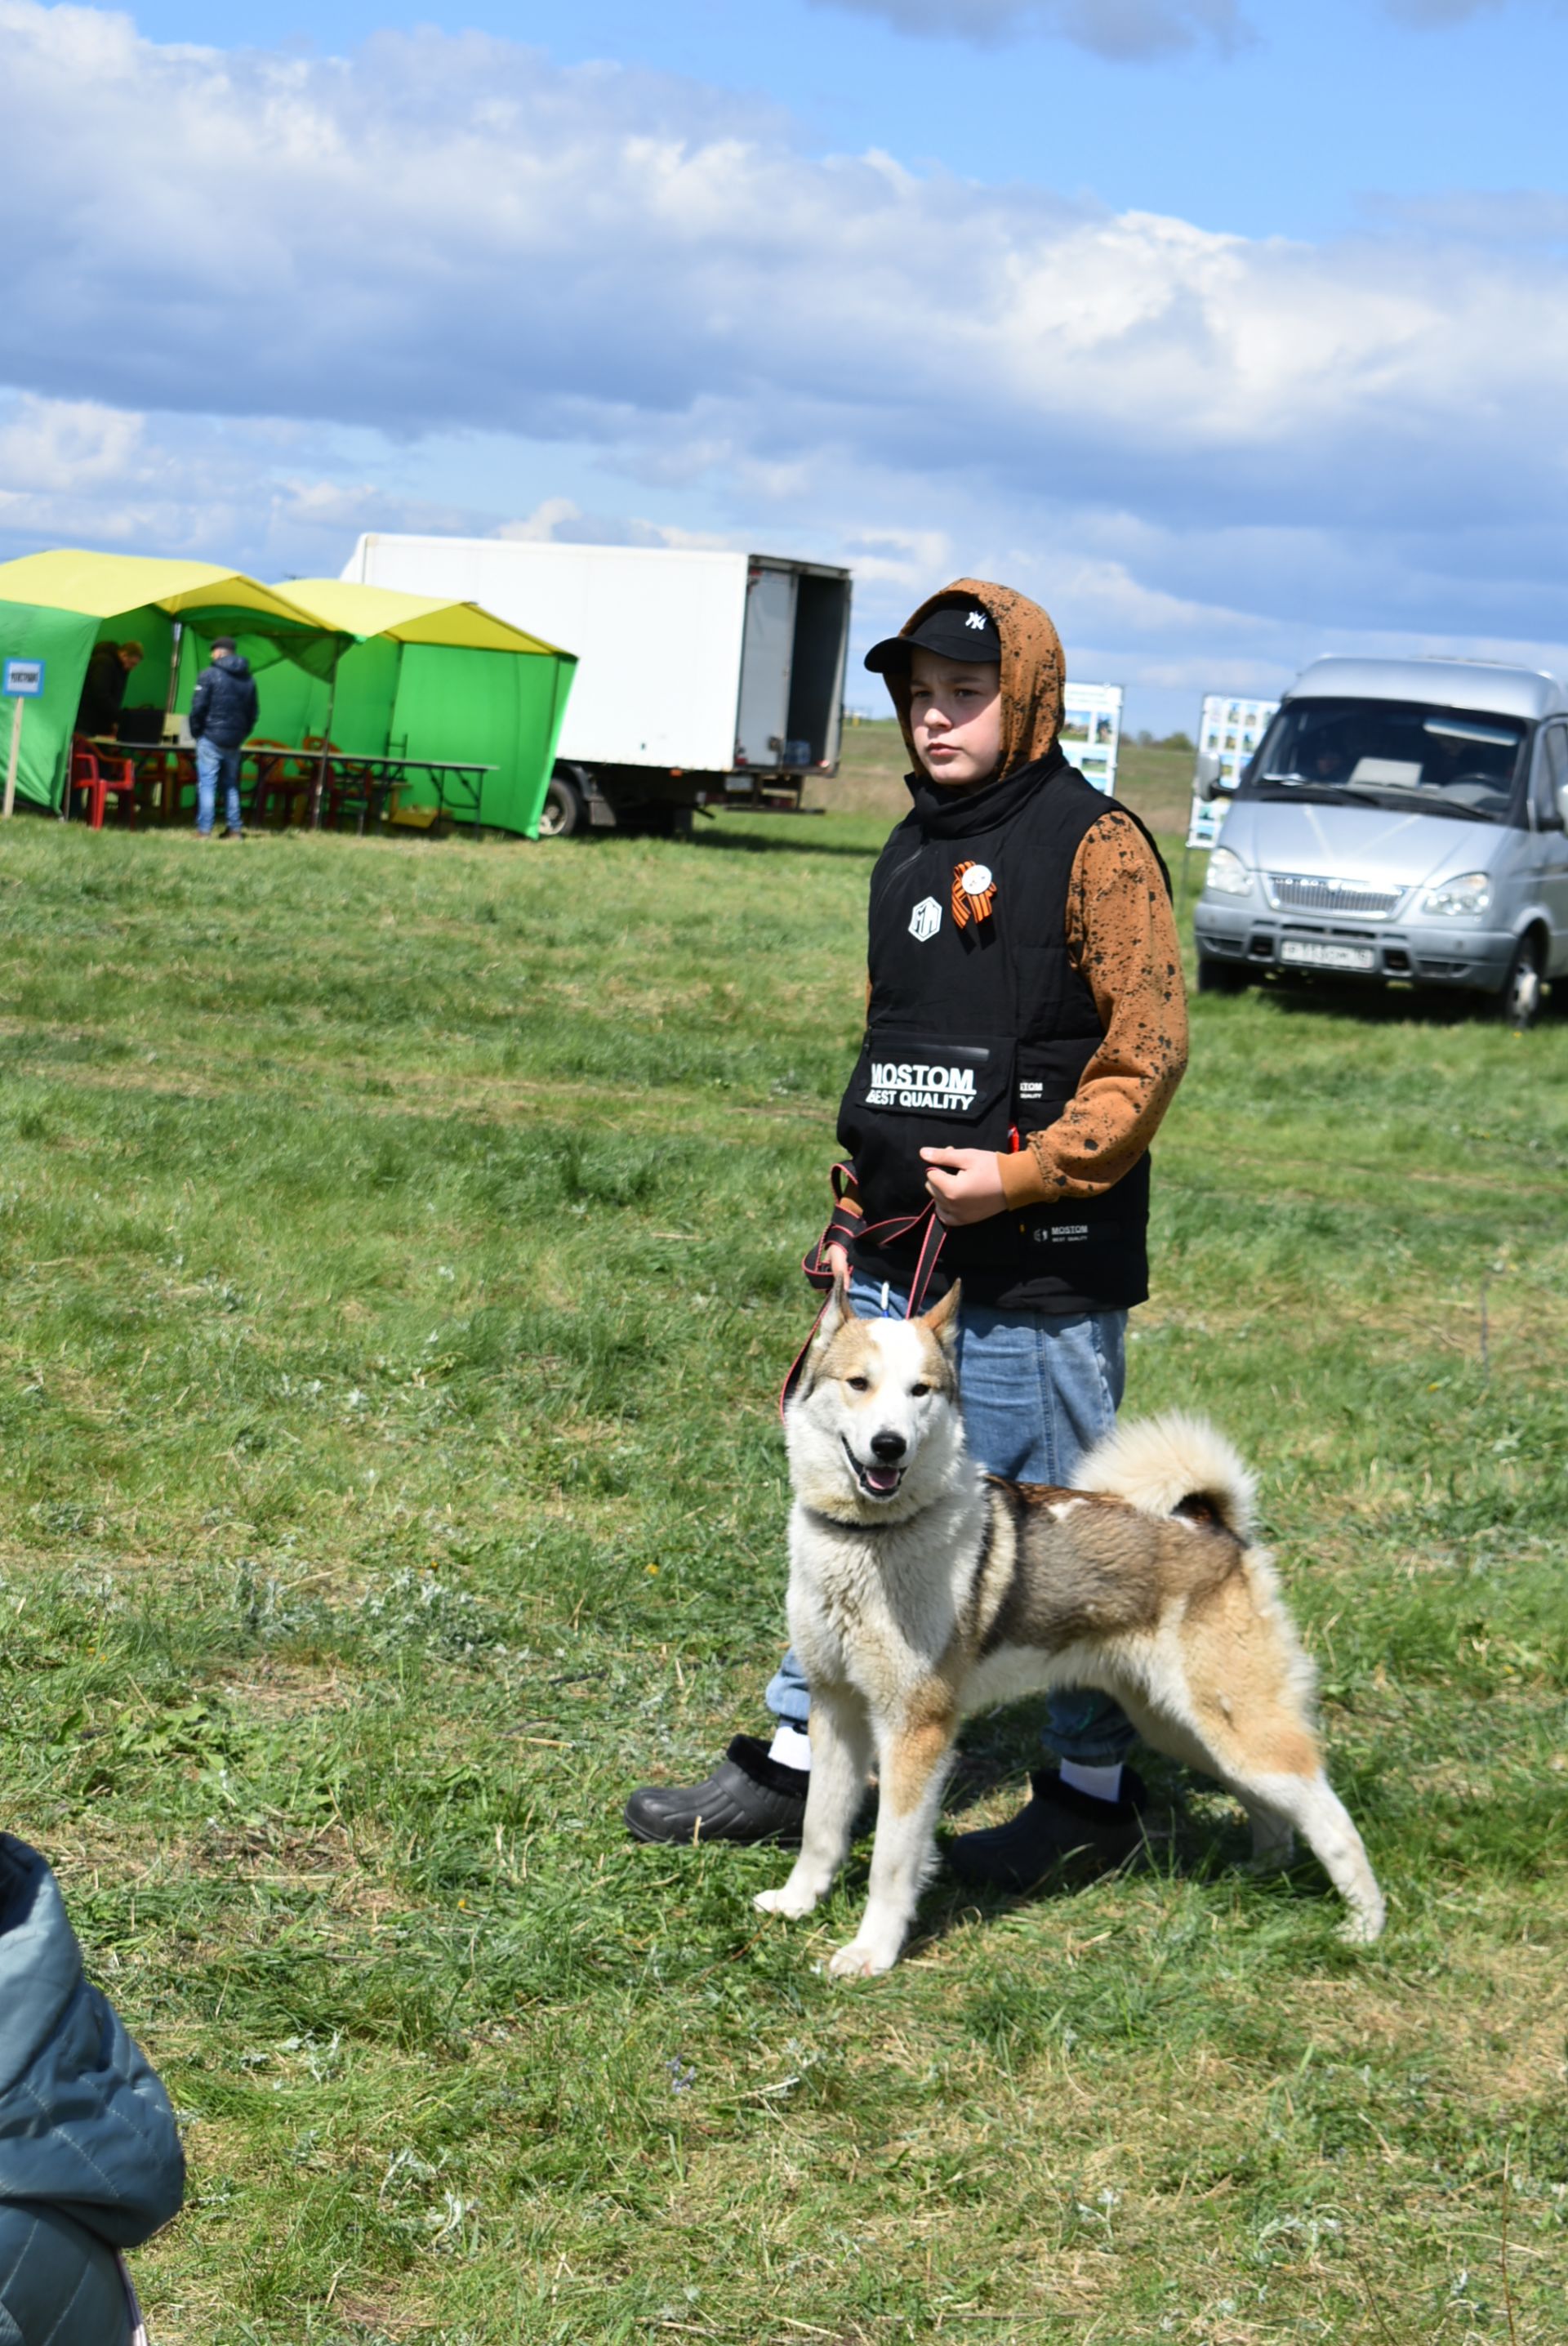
(920, 1590)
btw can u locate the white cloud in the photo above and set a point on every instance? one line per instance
(1114, 28)
(233, 259)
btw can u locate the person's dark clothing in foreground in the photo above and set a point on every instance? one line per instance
(90, 2162)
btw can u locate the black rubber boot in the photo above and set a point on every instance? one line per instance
(749, 1798)
(1060, 1828)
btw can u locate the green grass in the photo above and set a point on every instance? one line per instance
(400, 1245)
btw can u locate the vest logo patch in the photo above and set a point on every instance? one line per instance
(910, 1083)
(1062, 1234)
(925, 920)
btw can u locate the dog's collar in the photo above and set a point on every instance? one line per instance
(838, 1523)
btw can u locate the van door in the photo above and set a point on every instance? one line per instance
(1551, 840)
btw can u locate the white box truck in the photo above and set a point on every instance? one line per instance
(703, 678)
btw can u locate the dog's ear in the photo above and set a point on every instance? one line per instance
(835, 1311)
(943, 1318)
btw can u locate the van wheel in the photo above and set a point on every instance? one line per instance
(564, 810)
(1221, 976)
(1524, 987)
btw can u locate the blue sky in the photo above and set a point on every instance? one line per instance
(1233, 331)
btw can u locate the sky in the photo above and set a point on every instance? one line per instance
(1232, 331)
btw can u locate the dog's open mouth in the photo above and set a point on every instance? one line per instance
(875, 1481)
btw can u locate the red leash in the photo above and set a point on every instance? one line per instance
(841, 1233)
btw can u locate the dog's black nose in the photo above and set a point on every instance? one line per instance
(888, 1447)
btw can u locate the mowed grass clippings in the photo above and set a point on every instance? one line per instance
(399, 1249)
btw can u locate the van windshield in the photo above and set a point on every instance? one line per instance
(1455, 761)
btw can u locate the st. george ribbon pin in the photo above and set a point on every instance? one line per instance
(973, 894)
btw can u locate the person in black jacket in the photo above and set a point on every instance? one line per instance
(223, 710)
(103, 688)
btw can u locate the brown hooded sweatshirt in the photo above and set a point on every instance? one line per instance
(1121, 932)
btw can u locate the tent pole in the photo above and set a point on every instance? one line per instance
(320, 782)
(176, 636)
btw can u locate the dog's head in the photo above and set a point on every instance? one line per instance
(873, 1429)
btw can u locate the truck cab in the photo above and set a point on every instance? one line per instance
(1400, 820)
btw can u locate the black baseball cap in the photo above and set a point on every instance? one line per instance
(224, 644)
(957, 631)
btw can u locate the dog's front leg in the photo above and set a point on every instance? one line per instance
(914, 1768)
(841, 1761)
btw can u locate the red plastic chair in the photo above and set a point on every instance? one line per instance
(281, 774)
(96, 777)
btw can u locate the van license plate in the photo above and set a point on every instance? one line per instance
(1326, 956)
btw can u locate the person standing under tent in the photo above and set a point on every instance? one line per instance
(223, 713)
(103, 688)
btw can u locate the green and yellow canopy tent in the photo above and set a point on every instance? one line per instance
(423, 678)
(57, 607)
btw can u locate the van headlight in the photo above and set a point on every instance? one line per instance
(1227, 874)
(1465, 899)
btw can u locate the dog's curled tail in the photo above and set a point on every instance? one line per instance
(1173, 1464)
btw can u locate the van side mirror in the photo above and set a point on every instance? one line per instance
(1206, 777)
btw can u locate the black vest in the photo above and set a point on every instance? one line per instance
(978, 1034)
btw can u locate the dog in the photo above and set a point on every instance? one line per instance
(920, 1590)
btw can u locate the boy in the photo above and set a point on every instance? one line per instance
(1026, 1029)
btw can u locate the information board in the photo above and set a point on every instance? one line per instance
(1230, 729)
(1092, 731)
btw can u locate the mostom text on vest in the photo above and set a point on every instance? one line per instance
(910, 1083)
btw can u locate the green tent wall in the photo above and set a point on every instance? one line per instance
(498, 700)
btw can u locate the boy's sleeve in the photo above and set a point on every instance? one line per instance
(196, 719)
(1122, 939)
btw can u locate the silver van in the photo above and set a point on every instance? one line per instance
(1399, 819)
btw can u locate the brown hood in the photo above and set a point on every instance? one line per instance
(1033, 672)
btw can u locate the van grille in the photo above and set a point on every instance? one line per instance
(1300, 892)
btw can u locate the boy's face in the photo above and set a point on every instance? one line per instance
(955, 716)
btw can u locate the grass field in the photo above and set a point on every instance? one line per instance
(399, 1245)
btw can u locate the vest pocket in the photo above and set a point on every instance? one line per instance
(910, 1093)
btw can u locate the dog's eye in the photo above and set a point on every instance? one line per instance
(858, 1384)
(919, 1392)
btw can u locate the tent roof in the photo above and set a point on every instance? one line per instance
(102, 585)
(409, 619)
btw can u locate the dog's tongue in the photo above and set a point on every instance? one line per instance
(883, 1480)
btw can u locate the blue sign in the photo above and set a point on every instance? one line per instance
(23, 680)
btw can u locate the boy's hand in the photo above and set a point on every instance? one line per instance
(964, 1184)
(839, 1264)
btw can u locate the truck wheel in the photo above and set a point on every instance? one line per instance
(1221, 976)
(1524, 988)
(564, 810)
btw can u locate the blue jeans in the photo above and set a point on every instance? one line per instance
(1038, 1390)
(214, 762)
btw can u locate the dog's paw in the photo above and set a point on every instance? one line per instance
(1359, 1930)
(862, 1959)
(790, 1901)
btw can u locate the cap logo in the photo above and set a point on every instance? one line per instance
(975, 619)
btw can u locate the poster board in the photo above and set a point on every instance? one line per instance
(1230, 729)
(1092, 731)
